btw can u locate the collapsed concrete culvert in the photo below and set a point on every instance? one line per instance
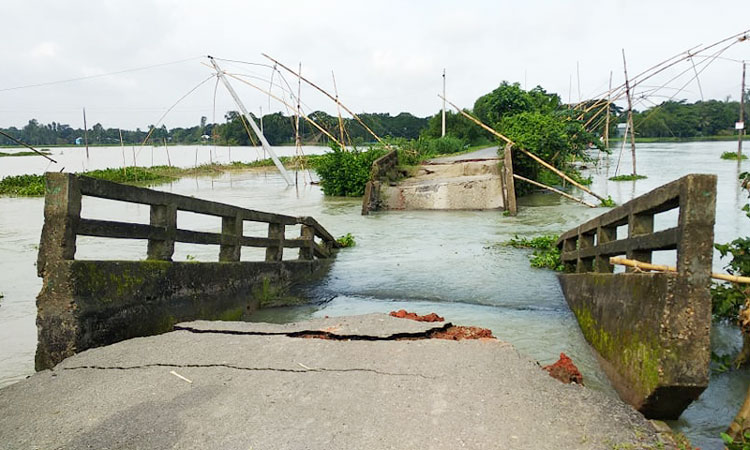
(473, 181)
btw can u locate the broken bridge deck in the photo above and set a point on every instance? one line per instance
(376, 382)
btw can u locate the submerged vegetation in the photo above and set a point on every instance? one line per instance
(545, 253)
(732, 156)
(629, 177)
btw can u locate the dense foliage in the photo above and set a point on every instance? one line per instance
(345, 173)
(679, 119)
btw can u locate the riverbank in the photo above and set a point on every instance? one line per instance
(369, 381)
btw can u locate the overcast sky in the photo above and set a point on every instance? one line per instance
(388, 56)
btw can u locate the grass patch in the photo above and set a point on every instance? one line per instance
(546, 255)
(3, 154)
(33, 185)
(629, 177)
(732, 156)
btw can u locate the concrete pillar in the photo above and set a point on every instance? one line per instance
(163, 216)
(308, 233)
(62, 212)
(604, 235)
(276, 232)
(697, 216)
(640, 224)
(231, 232)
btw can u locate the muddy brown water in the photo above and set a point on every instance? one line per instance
(447, 262)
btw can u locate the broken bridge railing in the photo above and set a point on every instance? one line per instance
(89, 303)
(651, 330)
(66, 190)
(588, 247)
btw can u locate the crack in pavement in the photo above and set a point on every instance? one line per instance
(304, 369)
(320, 334)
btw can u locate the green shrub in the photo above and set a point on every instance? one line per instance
(546, 255)
(445, 145)
(22, 185)
(346, 240)
(345, 173)
(731, 156)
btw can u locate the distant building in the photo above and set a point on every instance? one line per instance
(79, 141)
(621, 129)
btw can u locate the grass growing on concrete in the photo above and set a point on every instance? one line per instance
(545, 253)
(629, 177)
(732, 156)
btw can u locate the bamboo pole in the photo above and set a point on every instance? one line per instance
(609, 103)
(169, 160)
(27, 146)
(556, 191)
(356, 117)
(742, 114)
(525, 152)
(341, 121)
(85, 133)
(630, 111)
(312, 122)
(510, 187)
(661, 268)
(122, 146)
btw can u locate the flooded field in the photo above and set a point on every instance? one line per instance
(451, 263)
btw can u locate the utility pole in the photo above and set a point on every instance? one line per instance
(250, 120)
(741, 123)
(630, 112)
(443, 135)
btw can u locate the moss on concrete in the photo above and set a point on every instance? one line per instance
(640, 357)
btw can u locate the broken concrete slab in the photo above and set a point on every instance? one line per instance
(215, 390)
(375, 326)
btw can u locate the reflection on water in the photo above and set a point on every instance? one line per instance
(446, 262)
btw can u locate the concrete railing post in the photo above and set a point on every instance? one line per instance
(604, 234)
(232, 229)
(307, 233)
(639, 224)
(275, 232)
(62, 212)
(697, 217)
(585, 242)
(163, 216)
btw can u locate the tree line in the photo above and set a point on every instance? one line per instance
(277, 128)
(670, 119)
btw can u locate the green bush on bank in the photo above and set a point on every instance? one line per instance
(345, 173)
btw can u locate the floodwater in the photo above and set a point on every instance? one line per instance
(450, 263)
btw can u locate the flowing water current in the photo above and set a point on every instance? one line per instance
(451, 263)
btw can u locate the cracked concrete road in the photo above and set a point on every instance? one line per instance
(239, 388)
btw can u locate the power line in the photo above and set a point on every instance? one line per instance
(70, 80)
